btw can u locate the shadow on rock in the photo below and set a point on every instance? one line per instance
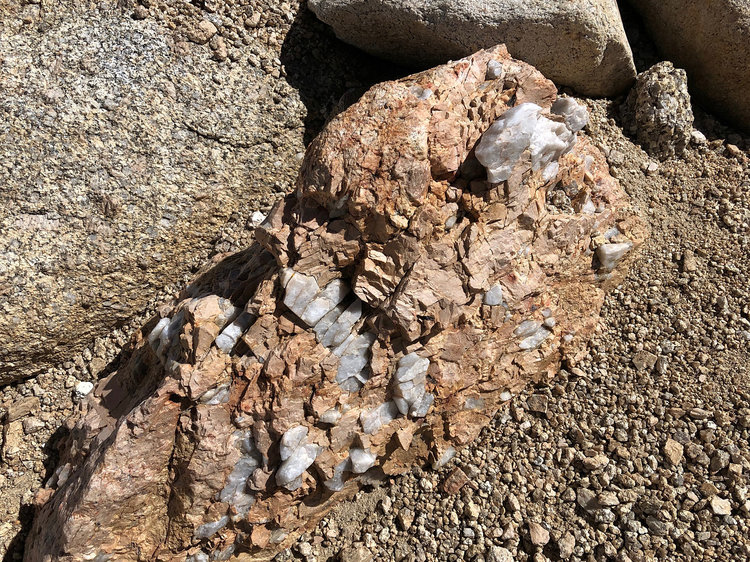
(329, 74)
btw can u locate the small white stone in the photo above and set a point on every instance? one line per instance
(341, 325)
(83, 389)
(374, 419)
(256, 218)
(527, 328)
(494, 296)
(445, 458)
(292, 439)
(301, 289)
(210, 529)
(325, 301)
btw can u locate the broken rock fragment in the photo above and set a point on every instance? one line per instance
(409, 286)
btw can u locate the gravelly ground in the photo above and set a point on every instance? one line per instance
(639, 452)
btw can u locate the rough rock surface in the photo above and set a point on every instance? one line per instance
(354, 340)
(125, 146)
(579, 44)
(659, 110)
(710, 40)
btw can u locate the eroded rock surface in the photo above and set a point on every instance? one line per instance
(391, 304)
(658, 108)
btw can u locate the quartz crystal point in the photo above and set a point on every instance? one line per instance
(451, 237)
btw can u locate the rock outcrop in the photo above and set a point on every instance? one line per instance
(710, 40)
(659, 112)
(389, 306)
(578, 44)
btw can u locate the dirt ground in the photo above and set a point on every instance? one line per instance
(589, 463)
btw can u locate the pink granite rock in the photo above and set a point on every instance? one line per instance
(390, 305)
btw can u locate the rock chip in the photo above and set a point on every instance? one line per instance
(547, 34)
(351, 340)
(658, 108)
(720, 506)
(673, 451)
(538, 534)
(499, 554)
(710, 41)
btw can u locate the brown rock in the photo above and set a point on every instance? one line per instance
(322, 373)
(673, 451)
(456, 480)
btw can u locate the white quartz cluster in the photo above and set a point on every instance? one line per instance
(409, 386)
(372, 420)
(333, 323)
(234, 491)
(523, 128)
(230, 335)
(164, 332)
(296, 455)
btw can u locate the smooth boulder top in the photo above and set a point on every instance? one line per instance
(578, 44)
(711, 41)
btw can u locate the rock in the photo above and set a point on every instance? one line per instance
(538, 534)
(21, 408)
(208, 435)
(566, 545)
(548, 35)
(82, 389)
(595, 463)
(499, 554)
(710, 42)
(644, 360)
(357, 553)
(456, 480)
(405, 518)
(538, 403)
(659, 111)
(100, 218)
(720, 506)
(673, 451)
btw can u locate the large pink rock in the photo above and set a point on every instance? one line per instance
(391, 304)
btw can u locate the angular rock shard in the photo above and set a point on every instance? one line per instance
(391, 304)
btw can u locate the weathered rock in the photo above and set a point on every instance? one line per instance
(112, 139)
(195, 447)
(710, 41)
(579, 44)
(659, 110)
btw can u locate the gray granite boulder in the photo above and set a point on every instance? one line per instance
(581, 44)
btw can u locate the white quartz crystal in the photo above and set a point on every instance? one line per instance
(331, 416)
(445, 458)
(353, 365)
(297, 456)
(300, 290)
(522, 128)
(292, 439)
(234, 492)
(495, 70)
(228, 338)
(336, 482)
(527, 328)
(409, 386)
(535, 339)
(218, 395)
(576, 115)
(361, 460)
(337, 325)
(373, 420)
(610, 254)
(324, 302)
(494, 296)
(210, 529)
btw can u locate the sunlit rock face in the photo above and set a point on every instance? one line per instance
(409, 286)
